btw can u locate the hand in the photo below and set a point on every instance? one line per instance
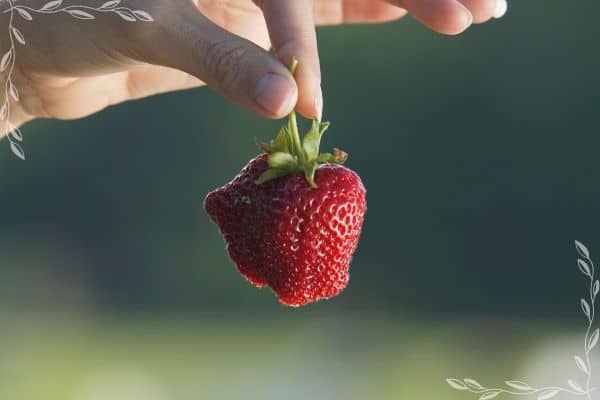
(71, 68)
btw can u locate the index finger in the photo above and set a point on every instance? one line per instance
(292, 32)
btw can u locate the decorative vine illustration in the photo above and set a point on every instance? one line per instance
(8, 60)
(518, 388)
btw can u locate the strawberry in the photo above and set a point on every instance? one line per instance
(292, 217)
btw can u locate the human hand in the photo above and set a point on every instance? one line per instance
(71, 68)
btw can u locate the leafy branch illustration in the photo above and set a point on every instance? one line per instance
(8, 60)
(518, 388)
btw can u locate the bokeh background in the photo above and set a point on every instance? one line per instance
(479, 153)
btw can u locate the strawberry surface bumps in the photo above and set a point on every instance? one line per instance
(297, 239)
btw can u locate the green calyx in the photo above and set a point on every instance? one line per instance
(289, 154)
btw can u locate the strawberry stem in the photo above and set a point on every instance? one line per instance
(293, 122)
(289, 154)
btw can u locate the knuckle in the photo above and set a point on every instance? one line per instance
(224, 61)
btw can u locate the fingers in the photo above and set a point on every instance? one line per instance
(445, 16)
(238, 69)
(484, 10)
(335, 12)
(292, 32)
(452, 16)
(500, 8)
(441, 15)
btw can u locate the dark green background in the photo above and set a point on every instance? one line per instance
(479, 153)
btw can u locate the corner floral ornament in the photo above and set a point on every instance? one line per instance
(7, 62)
(518, 388)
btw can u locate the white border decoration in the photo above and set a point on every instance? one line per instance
(7, 62)
(518, 388)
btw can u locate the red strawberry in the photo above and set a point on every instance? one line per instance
(291, 222)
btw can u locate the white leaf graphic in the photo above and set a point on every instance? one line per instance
(490, 394)
(585, 307)
(584, 267)
(593, 339)
(109, 4)
(14, 93)
(126, 15)
(548, 394)
(81, 14)
(18, 35)
(456, 384)
(519, 385)
(473, 384)
(143, 15)
(582, 250)
(23, 13)
(581, 364)
(596, 288)
(3, 112)
(51, 5)
(5, 60)
(575, 386)
(18, 150)
(17, 134)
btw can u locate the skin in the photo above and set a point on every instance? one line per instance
(72, 68)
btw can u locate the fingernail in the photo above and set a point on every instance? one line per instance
(466, 15)
(319, 102)
(501, 7)
(274, 93)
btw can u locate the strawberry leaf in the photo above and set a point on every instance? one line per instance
(281, 141)
(281, 160)
(289, 154)
(271, 174)
(309, 173)
(312, 141)
(339, 156)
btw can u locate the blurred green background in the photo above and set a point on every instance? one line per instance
(479, 153)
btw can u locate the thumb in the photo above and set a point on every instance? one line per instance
(235, 67)
(292, 31)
